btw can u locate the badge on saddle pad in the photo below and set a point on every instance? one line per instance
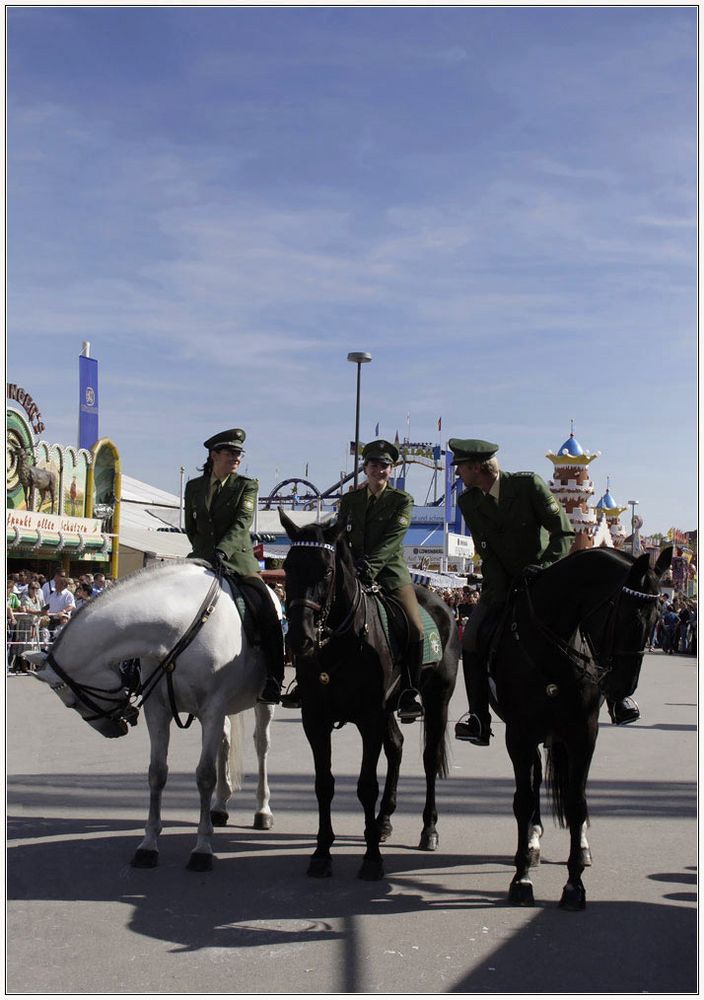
(324, 678)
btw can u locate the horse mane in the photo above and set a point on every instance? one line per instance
(126, 583)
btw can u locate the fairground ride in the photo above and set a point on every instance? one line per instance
(297, 493)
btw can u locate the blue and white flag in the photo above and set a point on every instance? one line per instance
(88, 402)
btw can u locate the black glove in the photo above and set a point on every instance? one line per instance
(220, 558)
(531, 571)
(364, 571)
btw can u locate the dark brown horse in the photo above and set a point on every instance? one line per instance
(346, 673)
(573, 636)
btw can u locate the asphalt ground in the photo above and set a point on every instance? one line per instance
(80, 920)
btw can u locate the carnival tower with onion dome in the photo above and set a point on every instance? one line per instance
(608, 508)
(573, 488)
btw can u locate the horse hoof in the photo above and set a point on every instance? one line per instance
(200, 863)
(585, 857)
(263, 821)
(385, 829)
(429, 841)
(145, 859)
(320, 868)
(574, 898)
(371, 871)
(533, 857)
(521, 894)
(218, 817)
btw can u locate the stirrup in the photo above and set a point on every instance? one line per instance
(291, 698)
(412, 712)
(624, 711)
(271, 692)
(471, 729)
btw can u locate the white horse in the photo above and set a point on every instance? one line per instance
(181, 621)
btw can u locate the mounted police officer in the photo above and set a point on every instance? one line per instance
(376, 519)
(517, 526)
(219, 510)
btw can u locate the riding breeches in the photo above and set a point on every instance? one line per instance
(471, 631)
(406, 596)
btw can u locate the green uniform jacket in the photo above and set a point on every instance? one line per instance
(528, 526)
(378, 538)
(226, 525)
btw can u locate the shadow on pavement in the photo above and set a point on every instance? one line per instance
(467, 795)
(623, 947)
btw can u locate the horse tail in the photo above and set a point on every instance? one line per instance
(236, 750)
(557, 777)
(442, 769)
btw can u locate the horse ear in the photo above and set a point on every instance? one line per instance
(288, 525)
(641, 565)
(664, 560)
(333, 531)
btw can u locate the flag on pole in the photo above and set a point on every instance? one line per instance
(439, 423)
(88, 401)
(306, 470)
(376, 432)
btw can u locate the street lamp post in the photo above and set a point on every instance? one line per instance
(359, 358)
(633, 504)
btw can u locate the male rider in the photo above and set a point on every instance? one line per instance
(515, 522)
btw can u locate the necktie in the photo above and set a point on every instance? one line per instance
(217, 487)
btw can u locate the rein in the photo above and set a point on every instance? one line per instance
(166, 665)
(602, 659)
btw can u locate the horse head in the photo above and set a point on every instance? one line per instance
(639, 599)
(619, 628)
(109, 720)
(310, 581)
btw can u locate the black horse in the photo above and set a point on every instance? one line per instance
(346, 673)
(571, 637)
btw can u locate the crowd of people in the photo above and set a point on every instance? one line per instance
(38, 607)
(675, 630)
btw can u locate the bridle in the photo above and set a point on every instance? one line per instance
(600, 661)
(124, 710)
(323, 632)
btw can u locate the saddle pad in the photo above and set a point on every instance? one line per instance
(249, 623)
(432, 644)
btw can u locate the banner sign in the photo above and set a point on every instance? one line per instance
(21, 396)
(460, 546)
(88, 402)
(36, 521)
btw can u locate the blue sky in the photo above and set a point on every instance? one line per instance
(498, 204)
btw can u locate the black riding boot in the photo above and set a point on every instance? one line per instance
(623, 709)
(409, 704)
(477, 728)
(271, 640)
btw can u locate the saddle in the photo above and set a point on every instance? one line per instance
(248, 603)
(395, 626)
(246, 597)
